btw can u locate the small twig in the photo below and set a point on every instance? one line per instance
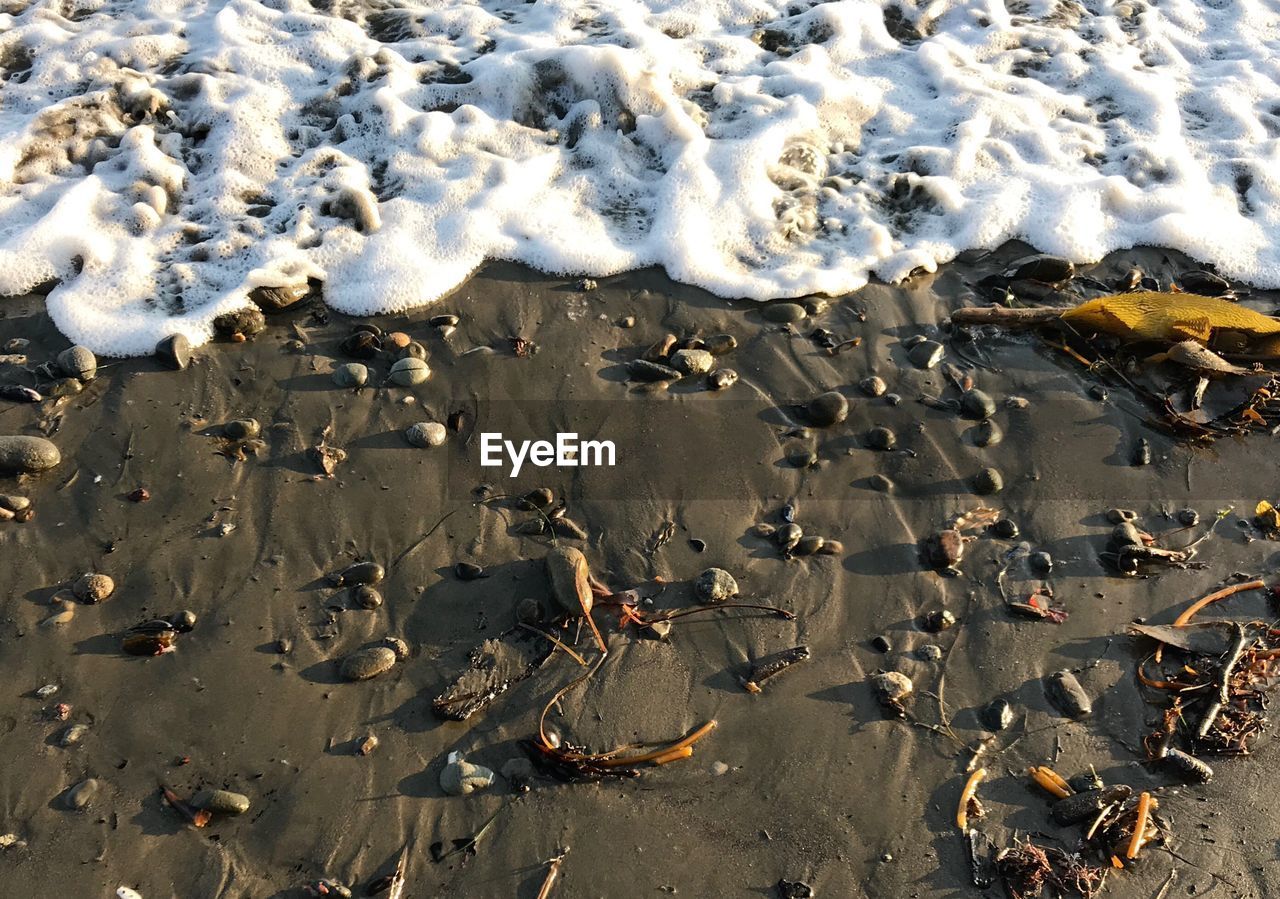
(554, 639)
(553, 871)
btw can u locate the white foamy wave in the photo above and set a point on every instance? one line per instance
(161, 157)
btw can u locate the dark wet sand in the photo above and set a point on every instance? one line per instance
(820, 787)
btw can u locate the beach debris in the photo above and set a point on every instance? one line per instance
(195, 816)
(174, 351)
(409, 372)
(153, 637)
(970, 806)
(570, 581)
(326, 887)
(366, 746)
(393, 884)
(1027, 868)
(93, 587)
(367, 663)
(351, 375)
(461, 778)
(892, 689)
(78, 362)
(980, 852)
(240, 324)
(794, 889)
(827, 409)
(426, 434)
(944, 549)
(326, 457)
(220, 802)
(1066, 694)
(773, 665)
(494, 667)
(553, 871)
(127, 893)
(15, 393)
(139, 495)
(358, 573)
(715, 585)
(27, 455)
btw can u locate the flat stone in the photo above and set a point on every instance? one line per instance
(174, 351)
(364, 664)
(221, 802)
(409, 372)
(27, 455)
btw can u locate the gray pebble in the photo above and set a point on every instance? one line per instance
(351, 374)
(1067, 695)
(1126, 534)
(359, 573)
(15, 503)
(461, 778)
(73, 734)
(409, 372)
(873, 386)
(366, 663)
(426, 434)
(174, 351)
(783, 313)
(977, 404)
(242, 429)
(78, 362)
(715, 585)
(366, 597)
(802, 458)
(987, 433)
(987, 482)
(881, 483)
(82, 795)
(892, 399)
(722, 378)
(926, 354)
(221, 802)
(644, 370)
(881, 439)
(1040, 563)
(891, 686)
(720, 344)
(27, 455)
(692, 362)
(930, 652)
(828, 409)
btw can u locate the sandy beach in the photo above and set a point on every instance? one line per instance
(807, 781)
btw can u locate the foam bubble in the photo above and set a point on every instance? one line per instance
(163, 157)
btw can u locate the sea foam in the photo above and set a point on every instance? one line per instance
(160, 158)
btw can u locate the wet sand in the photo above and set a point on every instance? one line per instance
(820, 787)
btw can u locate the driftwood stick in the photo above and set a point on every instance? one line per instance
(1005, 317)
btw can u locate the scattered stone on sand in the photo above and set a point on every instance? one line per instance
(644, 370)
(809, 545)
(93, 587)
(661, 349)
(1041, 267)
(881, 643)
(358, 573)
(139, 495)
(174, 351)
(926, 354)
(461, 778)
(722, 379)
(27, 455)
(73, 734)
(1118, 516)
(763, 529)
(1188, 517)
(351, 374)
(397, 340)
(426, 434)
(183, 622)
(715, 585)
(398, 646)
(414, 350)
(567, 572)
(997, 716)
(988, 481)
(891, 687)
(1141, 453)
(366, 597)
(241, 324)
(828, 409)
(1067, 695)
(275, 299)
(469, 571)
(242, 429)
(63, 614)
(366, 746)
(1005, 529)
(364, 342)
(873, 386)
(880, 482)
(692, 362)
(720, 344)
(409, 372)
(627, 321)
(937, 620)
(987, 433)
(977, 404)
(882, 439)
(802, 457)
(788, 536)
(1040, 563)
(784, 313)
(78, 362)
(568, 528)
(221, 802)
(367, 663)
(929, 652)
(82, 795)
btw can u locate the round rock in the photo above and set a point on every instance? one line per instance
(409, 372)
(784, 313)
(828, 409)
(873, 386)
(715, 585)
(174, 351)
(366, 597)
(988, 481)
(881, 439)
(722, 378)
(82, 795)
(987, 433)
(976, 404)
(27, 455)
(926, 354)
(78, 362)
(351, 374)
(242, 429)
(426, 433)
(93, 587)
(692, 362)
(221, 802)
(366, 663)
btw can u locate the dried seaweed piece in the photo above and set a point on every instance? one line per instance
(496, 665)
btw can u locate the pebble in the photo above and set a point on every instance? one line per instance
(275, 299)
(1117, 516)
(987, 433)
(987, 482)
(1126, 534)
(359, 573)
(73, 734)
(892, 399)
(802, 458)
(976, 404)
(1206, 284)
(881, 439)
(397, 340)
(414, 350)
(127, 893)
(829, 547)
(444, 320)
(720, 344)
(784, 313)
(881, 643)
(183, 622)
(240, 324)
(930, 652)
(938, 620)
(788, 536)
(1043, 268)
(881, 483)
(1067, 695)
(644, 370)
(461, 778)
(891, 686)
(926, 354)
(221, 802)
(627, 321)
(1141, 453)
(46, 691)
(1040, 563)
(1005, 529)
(351, 374)
(809, 545)
(763, 529)
(369, 662)
(426, 434)
(518, 771)
(873, 386)
(82, 795)
(366, 597)
(692, 362)
(409, 372)
(529, 610)
(788, 513)
(93, 587)
(997, 716)
(242, 429)
(398, 646)
(14, 503)
(715, 585)
(537, 498)
(27, 455)
(659, 351)
(469, 571)
(63, 616)
(361, 343)
(78, 362)
(367, 745)
(722, 378)
(1188, 517)
(828, 409)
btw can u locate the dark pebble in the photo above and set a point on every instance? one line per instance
(1206, 284)
(467, 571)
(722, 379)
(938, 620)
(801, 458)
(1005, 529)
(1085, 781)
(444, 320)
(809, 545)
(987, 482)
(720, 344)
(366, 597)
(359, 573)
(1043, 268)
(977, 405)
(783, 313)
(240, 324)
(174, 351)
(183, 622)
(828, 409)
(987, 433)
(644, 370)
(892, 399)
(997, 716)
(242, 429)
(881, 439)
(926, 354)
(881, 643)
(880, 482)
(1066, 694)
(788, 513)
(1188, 517)
(873, 386)
(1098, 392)
(1141, 452)
(1041, 563)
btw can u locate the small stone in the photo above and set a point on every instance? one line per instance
(93, 587)
(787, 537)
(828, 547)
(139, 495)
(715, 585)
(662, 348)
(938, 620)
(881, 439)
(1141, 452)
(1040, 563)
(284, 646)
(828, 409)
(461, 778)
(362, 343)
(73, 734)
(763, 529)
(568, 528)
(1005, 529)
(517, 772)
(538, 498)
(987, 482)
(1098, 392)
(930, 652)
(82, 795)
(808, 545)
(221, 802)
(366, 597)
(976, 404)
(14, 503)
(409, 372)
(587, 285)
(873, 386)
(351, 374)
(444, 320)
(644, 370)
(426, 434)
(627, 321)
(892, 399)
(987, 433)
(881, 483)
(1067, 695)
(529, 611)
(242, 429)
(27, 455)
(276, 299)
(719, 769)
(46, 691)
(802, 458)
(1188, 517)
(692, 362)
(398, 646)
(720, 344)
(1118, 516)
(174, 351)
(783, 313)
(359, 573)
(997, 716)
(183, 622)
(658, 630)
(1126, 534)
(367, 663)
(881, 643)
(1041, 267)
(366, 746)
(414, 350)
(722, 379)
(468, 571)
(926, 354)
(241, 324)
(78, 362)
(59, 618)
(891, 686)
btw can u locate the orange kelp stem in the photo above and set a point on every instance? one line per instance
(665, 751)
(1199, 604)
(970, 787)
(1140, 828)
(1050, 781)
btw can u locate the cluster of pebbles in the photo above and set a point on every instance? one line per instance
(674, 358)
